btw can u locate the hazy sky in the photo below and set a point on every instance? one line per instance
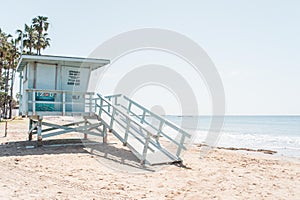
(255, 45)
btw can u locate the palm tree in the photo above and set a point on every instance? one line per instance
(5, 66)
(8, 63)
(40, 24)
(20, 35)
(2, 39)
(30, 38)
(20, 39)
(12, 58)
(34, 37)
(4, 48)
(45, 42)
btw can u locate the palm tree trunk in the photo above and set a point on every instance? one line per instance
(30, 46)
(11, 93)
(6, 91)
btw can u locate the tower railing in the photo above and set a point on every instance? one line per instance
(58, 102)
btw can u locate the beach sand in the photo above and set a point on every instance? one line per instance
(73, 173)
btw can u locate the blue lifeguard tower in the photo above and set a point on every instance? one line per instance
(48, 84)
(58, 86)
(55, 86)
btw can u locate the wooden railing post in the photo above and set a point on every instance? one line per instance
(129, 108)
(143, 116)
(116, 100)
(108, 108)
(112, 118)
(101, 105)
(95, 106)
(126, 131)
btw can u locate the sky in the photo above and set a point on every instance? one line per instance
(254, 44)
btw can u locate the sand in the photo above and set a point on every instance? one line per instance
(72, 172)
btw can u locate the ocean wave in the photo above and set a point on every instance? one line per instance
(255, 141)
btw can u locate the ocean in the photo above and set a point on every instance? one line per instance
(278, 133)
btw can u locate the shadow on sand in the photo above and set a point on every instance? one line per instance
(119, 159)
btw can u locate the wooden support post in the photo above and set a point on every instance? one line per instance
(30, 132)
(5, 128)
(126, 132)
(39, 132)
(104, 134)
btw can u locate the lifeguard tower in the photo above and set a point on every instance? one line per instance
(57, 86)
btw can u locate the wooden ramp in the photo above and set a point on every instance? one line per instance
(141, 130)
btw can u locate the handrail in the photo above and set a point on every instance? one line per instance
(146, 112)
(115, 96)
(162, 122)
(158, 117)
(129, 120)
(171, 124)
(124, 114)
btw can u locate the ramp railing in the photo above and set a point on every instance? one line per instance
(104, 106)
(122, 109)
